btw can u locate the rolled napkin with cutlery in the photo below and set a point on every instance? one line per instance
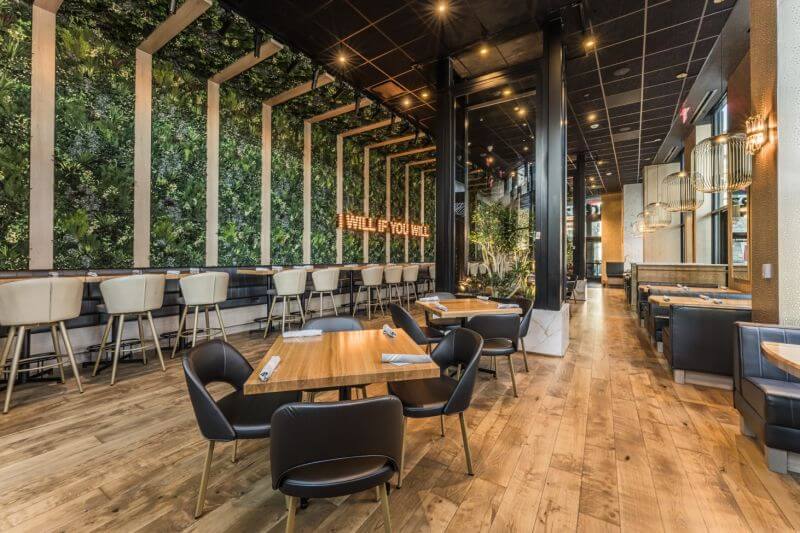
(302, 333)
(717, 301)
(507, 306)
(173, 272)
(723, 288)
(667, 298)
(388, 331)
(704, 297)
(428, 299)
(439, 306)
(484, 298)
(91, 274)
(277, 269)
(261, 269)
(269, 368)
(299, 266)
(401, 359)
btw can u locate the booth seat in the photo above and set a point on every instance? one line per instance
(642, 296)
(657, 316)
(767, 398)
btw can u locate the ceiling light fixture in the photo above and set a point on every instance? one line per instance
(406, 101)
(681, 75)
(506, 92)
(592, 117)
(723, 163)
(441, 8)
(595, 126)
(680, 192)
(484, 50)
(756, 134)
(589, 43)
(425, 95)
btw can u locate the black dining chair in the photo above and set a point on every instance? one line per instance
(442, 323)
(331, 324)
(361, 450)
(422, 335)
(445, 395)
(500, 338)
(524, 326)
(234, 416)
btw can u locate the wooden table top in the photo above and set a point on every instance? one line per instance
(675, 289)
(693, 301)
(467, 307)
(341, 359)
(784, 356)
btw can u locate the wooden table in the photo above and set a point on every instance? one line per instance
(342, 360)
(784, 356)
(467, 308)
(692, 301)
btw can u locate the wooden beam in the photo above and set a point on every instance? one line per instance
(406, 212)
(422, 212)
(333, 113)
(188, 12)
(266, 184)
(393, 140)
(306, 191)
(388, 236)
(246, 62)
(48, 5)
(369, 127)
(212, 175)
(413, 151)
(422, 162)
(300, 90)
(142, 158)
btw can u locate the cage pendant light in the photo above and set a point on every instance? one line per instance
(639, 225)
(680, 192)
(656, 215)
(723, 163)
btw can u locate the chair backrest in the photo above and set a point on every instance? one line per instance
(372, 427)
(372, 276)
(205, 289)
(525, 322)
(334, 323)
(212, 362)
(496, 327)
(460, 348)
(290, 282)
(133, 294)
(393, 274)
(403, 320)
(411, 273)
(748, 362)
(326, 280)
(432, 272)
(40, 300)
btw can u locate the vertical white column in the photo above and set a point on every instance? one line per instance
(406, 215)
(142, 163)
(422, 213)
(212, 175)
(43, 119)
(365, 237)
(306, 191)
(388, 207)
(339, 193)
(266, 184)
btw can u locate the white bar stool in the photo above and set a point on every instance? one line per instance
(326, 281)
(371, 279)
(289, 284)
(410, 277)
(394, 277)
(31, 302)
(205, 290)
(432, 275)
(136, 295)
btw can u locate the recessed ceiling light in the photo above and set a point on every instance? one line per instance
(506, 92)
(406, 101)
(425, 95)
(586, 95)
(589, 43)
(621, 71)
(521, 111)
(608, 173)
(625, 128)
(484, 50)
(591, 117)
(601, 162)
(681, 75)
(342, 58)
(525, 148)
(595, 126)
(441, 8)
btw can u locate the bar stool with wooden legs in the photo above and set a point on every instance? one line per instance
(393, 275)
(410, 277)
(371, 279)
(432, 276)
(31, 302)
(206, 290)
(288, 284)
(139, 296)
(326, 281)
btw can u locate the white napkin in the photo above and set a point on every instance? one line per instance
(717, 301)
(388, 331)
(704, 297)
(261, 269)
(173, 272)
(428, 299)
(723, 288)
(299, 266)
(483, 298)
(91, 274)
(53, 274)
(269, 368)
(194, 270)
(507, 306)
(302, 333)
(666, 298)
(402, 359)
(277, 269)
(440, 307)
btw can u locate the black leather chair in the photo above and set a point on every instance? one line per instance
(329, 324)
(524, 326)
(361, 450)
(445, 395)
(500, 338)
(234, 416)
(442, 323)
(422, 335)
(767, 398)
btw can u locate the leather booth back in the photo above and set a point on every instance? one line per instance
(747, 358)
(701, 338)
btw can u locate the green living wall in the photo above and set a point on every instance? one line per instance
(323, 195)
(353, 197)
(398, 208)
(430, 214)
(414, 208)
(15, 79)
(377, 203)
(287, 187)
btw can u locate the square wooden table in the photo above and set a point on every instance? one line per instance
(467, 308)
(342, 359)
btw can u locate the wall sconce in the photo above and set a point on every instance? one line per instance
(756, 134)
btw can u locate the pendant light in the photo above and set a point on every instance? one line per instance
(680, 192)
(640, 226)
(723, 163)
(656, 215)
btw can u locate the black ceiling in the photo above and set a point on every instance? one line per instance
(628, 85)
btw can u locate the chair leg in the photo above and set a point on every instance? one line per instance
(208, 325)
(380, 301)
(369, 303)
(221, 323)
(465, 437)
(291, 502)
(57, 351)
(333, 302)
(141, 339)
(116, 349)
(513, 377)
(269, 316)
(7, 348)
(378, 493)
(235, 449)
(402, 454)
(12, 374)
(387, 522)
(363, 389)
(355, 300)
(524, 353)
(155, 341)
(71, 355)
(181, 323)
(194, 328)
(283, 316)
(201, 496)
(441, 423)
(302, 313)
(102, 349)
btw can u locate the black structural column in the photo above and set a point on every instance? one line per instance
(579, 216)
(445, 177)
(551, 171)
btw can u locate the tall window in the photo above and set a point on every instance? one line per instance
(719, 200)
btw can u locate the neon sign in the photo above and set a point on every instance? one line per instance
(351, 222)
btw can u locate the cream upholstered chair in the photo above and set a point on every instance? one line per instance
(410, 277)
(136, 295)
(32, 302)
(288, 284)
(326, 281)
(394, 277)
(371, 280)
(205, 290)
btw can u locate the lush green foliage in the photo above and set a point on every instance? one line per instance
(377, 203)
(430, 214)
(323, 195)
(398, 208)
(414, 252)
(287, 187)
(353, 188)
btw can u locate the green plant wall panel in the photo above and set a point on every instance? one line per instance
(93, 149)
(414, 207)
(377, 203)
(15, 79)
(323, 195)
(398, 208)
(287, 187)
(430, 215)
(353, 198)
(178, 186)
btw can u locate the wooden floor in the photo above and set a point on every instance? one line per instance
(602, 439)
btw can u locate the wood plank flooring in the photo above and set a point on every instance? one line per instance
(601, 440)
